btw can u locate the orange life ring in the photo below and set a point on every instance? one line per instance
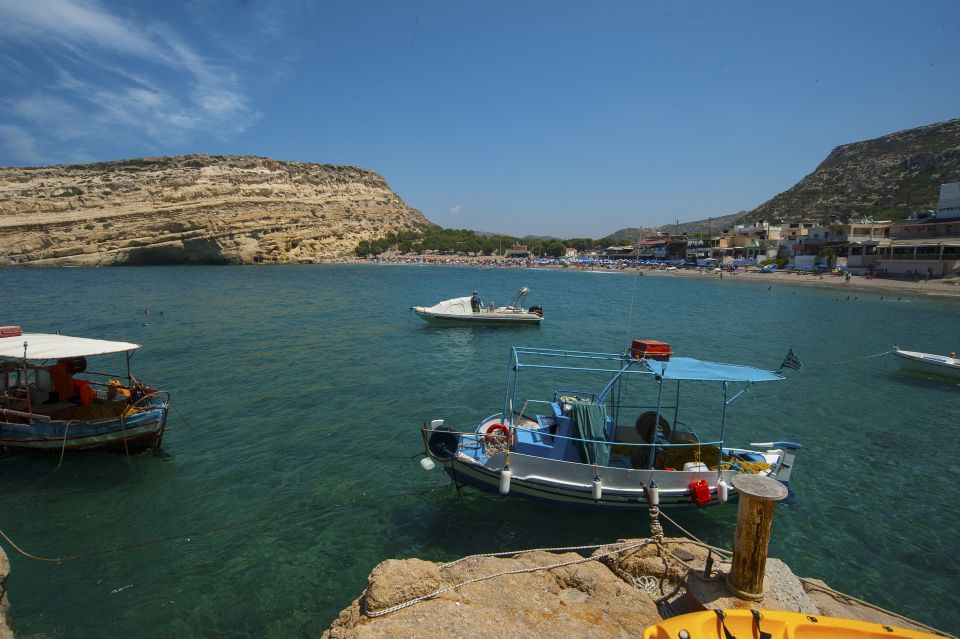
(490, 433)
(645, 425)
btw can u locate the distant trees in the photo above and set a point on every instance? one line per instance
(556, 248)
(830, 255)
(467, 241)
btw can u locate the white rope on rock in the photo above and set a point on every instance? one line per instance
(440, 591)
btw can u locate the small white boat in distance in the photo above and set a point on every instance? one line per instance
(928, 363)
(458, 311)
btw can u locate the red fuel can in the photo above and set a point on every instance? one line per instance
(700, 492)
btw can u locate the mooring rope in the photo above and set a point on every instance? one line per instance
(860, 359)
(209, 531)
(845, 598)
(656, 531)
(440, 591)
(694, 538)
(63, 446)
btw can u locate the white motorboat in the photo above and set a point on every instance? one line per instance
(459, 311)
(928, 363)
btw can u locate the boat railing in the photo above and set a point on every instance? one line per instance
(543, 434)
(153, 399)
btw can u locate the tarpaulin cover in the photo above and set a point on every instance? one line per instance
(681, 368)
(591, 423)
(49, 346)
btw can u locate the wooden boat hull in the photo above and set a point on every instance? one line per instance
(133, 432)
(928, 364)
(779, 625)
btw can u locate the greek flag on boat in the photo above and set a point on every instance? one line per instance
(791, 361)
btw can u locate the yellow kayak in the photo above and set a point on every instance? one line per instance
(764, 624)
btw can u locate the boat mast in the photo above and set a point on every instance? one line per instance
(652, 454)
(513, 369)
(723, 421)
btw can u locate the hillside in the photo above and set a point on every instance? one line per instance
(886, 178)
(710, 225)
(197, 209)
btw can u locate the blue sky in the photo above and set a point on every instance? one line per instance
(523, 117)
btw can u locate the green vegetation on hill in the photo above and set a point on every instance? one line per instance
(440, 240)
(886, 178)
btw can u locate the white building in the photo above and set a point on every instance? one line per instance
(949, 201)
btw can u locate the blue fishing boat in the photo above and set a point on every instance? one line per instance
(49, 400)
(610, 432)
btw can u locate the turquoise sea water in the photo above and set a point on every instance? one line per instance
(303, 388)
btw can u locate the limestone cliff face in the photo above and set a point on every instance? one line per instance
(193, 209)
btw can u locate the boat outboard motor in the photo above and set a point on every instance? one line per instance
(536, 309)
(443, 444)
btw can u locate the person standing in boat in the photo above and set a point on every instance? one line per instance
(475, 302)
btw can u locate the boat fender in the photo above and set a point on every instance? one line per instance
(597, 488)
(653, 494)
(427, 463)
(722, 491)
(505, 480)
(496, 432)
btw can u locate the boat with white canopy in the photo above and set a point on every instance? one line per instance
(611, 433)
(459, 311)
(50, 400)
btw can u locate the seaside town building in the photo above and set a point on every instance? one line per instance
(517, 251)
(927, 245)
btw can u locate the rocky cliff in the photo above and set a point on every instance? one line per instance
(196, 209)
(557, 596)
(887, 178)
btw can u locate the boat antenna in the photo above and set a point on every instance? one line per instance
(633, 295)
(26, 379)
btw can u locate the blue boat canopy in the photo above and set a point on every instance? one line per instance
(687, 368)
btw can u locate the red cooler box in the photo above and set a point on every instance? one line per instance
(650, 349)
(10, 331)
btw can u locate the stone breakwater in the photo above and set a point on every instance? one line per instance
(547, 595)
(193, 209)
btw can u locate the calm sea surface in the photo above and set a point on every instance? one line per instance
(289, 470)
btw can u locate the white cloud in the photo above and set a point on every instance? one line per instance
(456, 209)
(19, 144)
(74, 23)
(115, 76)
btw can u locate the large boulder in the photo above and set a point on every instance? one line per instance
(582, 599)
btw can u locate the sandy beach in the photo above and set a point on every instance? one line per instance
(879, 286)
(945, 287)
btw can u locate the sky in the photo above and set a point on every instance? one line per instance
(543, 117)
